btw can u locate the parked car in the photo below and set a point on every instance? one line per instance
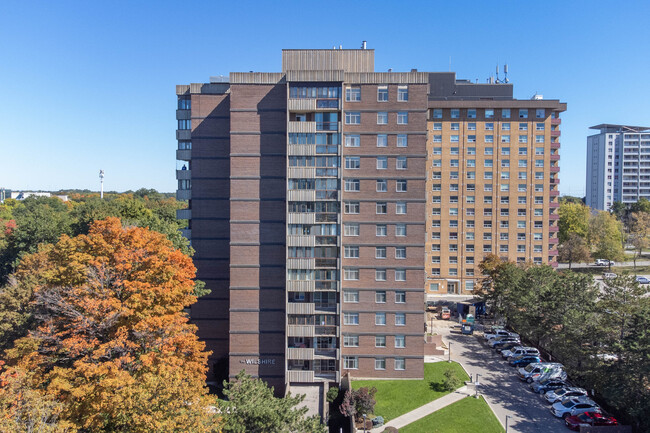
(506, 346)
(541, 370)
(496, 333)
(547, 385)
(445, 313)
(574, 406)
(604, 262)
(562, 393)
(518, 351)
(524, 360)
(609, 275)
(642, 280)
(589, 418)
(498, 343)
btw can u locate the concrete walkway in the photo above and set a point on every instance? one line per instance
(425, 410)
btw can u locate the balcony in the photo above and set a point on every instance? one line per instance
(329, 307)
(553, 229)
(326, 330)
(301, 241)
(301, 195)
(300, 264)
(553, 216)
(184, 154)
(183, 114)
(554, 193)
(183, 174)
(183, 134)
(300, 308)
(555, 133)
(553, 241)
(301, 286)
(300, 353)
(555, 156)
(184, 214)
(553, 204)
(326, 263)
(302, 172)
(555, 181)
(556, 121)
(302, 127)
(555, 145)
(300, 331)
(327, 352)
(555, 169)
(300, 376)
(301, 104)
(552, 252)
(183, 194)
(301, 218)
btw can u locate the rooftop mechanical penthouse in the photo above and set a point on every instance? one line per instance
(310, 210)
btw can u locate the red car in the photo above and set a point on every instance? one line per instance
(589, 418)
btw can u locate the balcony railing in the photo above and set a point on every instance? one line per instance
(555, 133)
(556, 121)
(325, 330)
(555, 156)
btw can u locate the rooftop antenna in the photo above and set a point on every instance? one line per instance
(101, 181)
(498, 73)
(505, 72)
(363, 45)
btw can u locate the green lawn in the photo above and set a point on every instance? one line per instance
(469, 415)
(396, 397)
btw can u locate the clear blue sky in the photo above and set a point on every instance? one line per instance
(90, 85)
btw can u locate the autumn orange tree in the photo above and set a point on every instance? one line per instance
(112, 341)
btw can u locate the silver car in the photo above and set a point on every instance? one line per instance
(556, 395)
(574, 406)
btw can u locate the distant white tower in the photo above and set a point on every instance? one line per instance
(101, 181)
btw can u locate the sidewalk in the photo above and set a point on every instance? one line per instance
(425, 410)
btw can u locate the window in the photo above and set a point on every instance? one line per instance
(523, 113)
(380, 297)
(380, 319)
(400, 363)
(471, 127)
(400, 274)
(489, 113)
(402, 93)
(471, 151)
(402, 140)
(351, 207)
(453, 162)
(352, 141)
(352, 94)
(400, 341)
(540, 113)
(539, 163)
(351, 229)
(437, 113)
(380, 363)
(381, 208)
(505, 113)
(185, 124)
(380, 230)
(523, 126)
(350, 318)
(454, 139)
(350, 340)
(539, 127)
(488, 151)
(382, 140)
(436, 163)
(380, 274)
(352, 118)
(351, 296)
(523, 139)
(380, 252)
(380, 341)
(351, 274)
(400, 297)
(402, 118)
(401, 163)
(352, 162)
(382, 163)
(400, 230)
(521, 224)
(539, 175)
(505, 126)
(539, 151)
(489, 126)
(537, 236)
(400, 319)
(400, 208)
(539, 139)
(488, 163)
(469, 285)
(401, 186)
(437, 126)
(455, 113)
(400, 252)
(184, 103)
(352, 185)
(351, 362)
(471, 163)
(382, 93)
(471, 113)
(487, 175)
(505, 187)
(351, 252)
(382, 118)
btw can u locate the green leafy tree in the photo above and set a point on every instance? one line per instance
(574, 218)
(252, 408)
(496, 288)
(451, 382)
(619, 210)
(606, 236)
(639, 233)
(573, 250)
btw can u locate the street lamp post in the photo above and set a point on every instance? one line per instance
(364, 423)
(476, 384)
(507, 418)
(449, 359)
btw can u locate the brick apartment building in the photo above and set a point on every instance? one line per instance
(312, 194)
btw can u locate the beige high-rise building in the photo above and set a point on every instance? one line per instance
(492, 181)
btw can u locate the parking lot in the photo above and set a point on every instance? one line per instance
(507, 395)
